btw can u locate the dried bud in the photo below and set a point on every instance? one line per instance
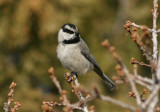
(68, 75)
(157, 13)
(134, 36)
(157, 109)
(152, 10)
(156, 5)
(112, 49)
(12, 85)
(127, 25)
(118, 67)
(105, 43)
(45, 107)
(10, 94)
(132, 61)
(17, 104)
(144, 91)
(51, 70)
(11, 100)
(131, 94)
(134, 29)
(73, 91)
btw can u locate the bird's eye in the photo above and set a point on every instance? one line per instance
(68, 31)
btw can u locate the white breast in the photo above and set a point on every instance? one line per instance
(72, 59)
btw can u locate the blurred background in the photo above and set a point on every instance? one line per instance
(28, 41)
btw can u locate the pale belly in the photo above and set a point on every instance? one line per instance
(72, 59)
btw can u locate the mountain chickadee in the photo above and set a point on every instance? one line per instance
(75, 55)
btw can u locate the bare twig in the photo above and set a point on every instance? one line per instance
(158, 31)
(154, 33)
(16, 106)
(62, 92)
(7, 105)
(143, 84)
(153, 97)
(65, 102)
(82, 103)
(139, 63)
(140, 26)
(111, 100)
(144, 79)
(129, 76)
(81, 97)
(134, 36)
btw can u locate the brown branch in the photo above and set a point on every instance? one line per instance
(62, 92)
(139, 63)
(129, 76)
(144, 79)
(140, 26)
(65, 102)
(16, 106)
(7, 105)
(111, 100)
(78, 90)
(134, 36)
(93, 94)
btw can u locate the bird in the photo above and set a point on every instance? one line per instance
(75, 55)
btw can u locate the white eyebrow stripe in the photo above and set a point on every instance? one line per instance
(72, 29)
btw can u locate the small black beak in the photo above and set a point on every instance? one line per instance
(78, 33)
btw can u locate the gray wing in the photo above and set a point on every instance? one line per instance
(86, 53)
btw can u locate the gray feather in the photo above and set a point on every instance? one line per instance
(86, 53)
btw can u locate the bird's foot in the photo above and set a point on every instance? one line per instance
(70, 76)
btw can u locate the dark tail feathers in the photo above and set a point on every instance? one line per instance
(108, 81)
(110, 84)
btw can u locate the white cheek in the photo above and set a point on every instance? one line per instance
(67, 36)
(64, 36)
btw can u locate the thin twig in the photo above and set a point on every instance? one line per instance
(111, 100)
(144, 79)
(158, 31)
(7, 105)
(143, 84)
(66, 102)
(81, 97)
(139, 81)
(152, 100)
(134, 37)
(140, 26)
(125, 70)
(154, 33)
(139, 63)
(62, 92)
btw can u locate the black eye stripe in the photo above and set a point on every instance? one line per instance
(72, 41)
(68, 31)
